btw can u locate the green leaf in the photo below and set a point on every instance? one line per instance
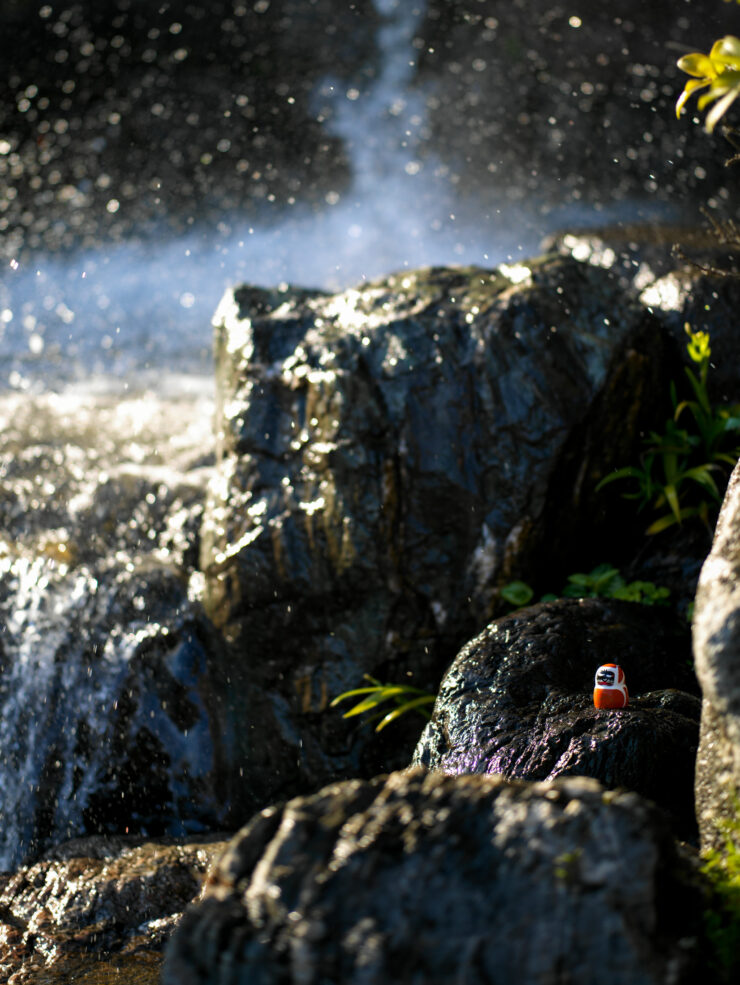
(663, 523)
(671, 495)
(416, 704)
(382, 694)
(351, 694)
(702, 475)
(700, 391)
(517, 593)
(628, 472)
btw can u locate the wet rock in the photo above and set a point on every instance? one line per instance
(641, 253)
(388, 457)
(716, 631)
(431, 879)
(517, 701)
(98, 906)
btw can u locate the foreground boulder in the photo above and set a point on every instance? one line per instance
(431, 879)
(389, 457)
(517, 701)
(716, 630)
(98, 906)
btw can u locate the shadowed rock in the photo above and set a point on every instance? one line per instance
(716, 631)
(517, 701)
(427, 880)
(391, 455)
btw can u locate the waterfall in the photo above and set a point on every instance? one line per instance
(104, 724)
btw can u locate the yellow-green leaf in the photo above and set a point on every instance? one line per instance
(697, 64)
(417, 703)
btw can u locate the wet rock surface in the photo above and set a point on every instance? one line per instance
(717, 654)
(98, 910)
(431, 879)
(388, 457)
(517, 701)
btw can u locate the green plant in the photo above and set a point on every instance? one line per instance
(719, 71)
(517, 594)
(676, 474)
(404, 697)
(722, 917)
(605, 581)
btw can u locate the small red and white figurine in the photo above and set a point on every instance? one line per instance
(610, 689)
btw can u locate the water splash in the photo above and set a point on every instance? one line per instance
(129, 309)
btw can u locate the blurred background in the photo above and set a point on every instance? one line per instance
(153, 153)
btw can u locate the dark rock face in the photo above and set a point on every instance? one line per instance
(389, 456)
(716, 632)
(103, 904)
(434, 879)
(517, 701)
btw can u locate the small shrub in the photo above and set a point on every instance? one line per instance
(605, 581)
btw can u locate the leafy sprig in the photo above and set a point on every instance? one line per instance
(404, 697)
(719, 72)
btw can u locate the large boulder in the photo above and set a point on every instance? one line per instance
(389, 457)
(429, 879)
(517, 701)
(98, 906)
(716, 631)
